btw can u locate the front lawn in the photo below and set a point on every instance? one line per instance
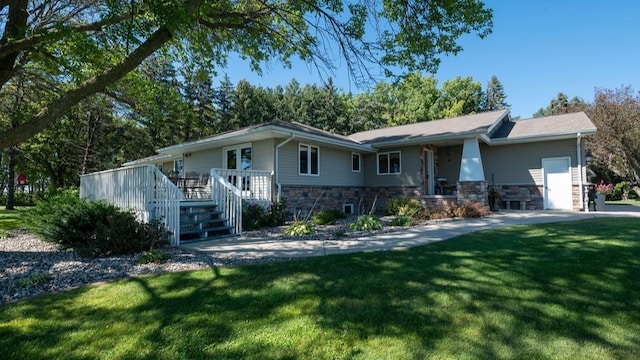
(625, 202)
(551, 291)
(12, 219)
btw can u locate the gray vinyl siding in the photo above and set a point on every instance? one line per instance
(410, 168)
(521, 164)
(334, 170)
(263, 155)
(203, 161)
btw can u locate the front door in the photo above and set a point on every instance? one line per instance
(557, 183)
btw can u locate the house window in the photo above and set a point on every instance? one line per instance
(355, 162)
(309, 159)
(389, 163)
(238, 157)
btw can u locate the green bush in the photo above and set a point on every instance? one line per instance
(403, 206)
(152, 256)
(300, 228)
(327, 217)
(278, 213)
(255, 216)
(366, 223)
(401, 221)
(93, 228)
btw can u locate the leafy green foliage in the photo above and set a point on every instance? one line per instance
(366, 222)
(152, 256)
(115, 37)
(255, 216)
(327, 217)
(403, 206)
(93, 229)
(401, 221)
(300, 228)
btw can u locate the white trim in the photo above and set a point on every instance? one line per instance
(389, 162)
(429, 162)
(359, 162)
(308, 160)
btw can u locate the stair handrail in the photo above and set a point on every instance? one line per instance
(229, 199)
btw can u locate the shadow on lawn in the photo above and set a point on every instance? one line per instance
(523, 292)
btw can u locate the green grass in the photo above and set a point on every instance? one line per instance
(625, 202)
(553, 291)
(12, 219)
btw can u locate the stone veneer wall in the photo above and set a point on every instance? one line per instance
(300, 199)
(473, 191)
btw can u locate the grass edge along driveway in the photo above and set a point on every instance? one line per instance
(561, 290)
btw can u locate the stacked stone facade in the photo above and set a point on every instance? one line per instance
(472, 191)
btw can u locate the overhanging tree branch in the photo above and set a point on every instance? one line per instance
(58, 107)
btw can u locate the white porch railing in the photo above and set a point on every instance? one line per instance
(254, 185)
(143, 189)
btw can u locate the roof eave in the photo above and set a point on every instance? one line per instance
(185, 147)
(419, 140)
(350, 144)
(537, 138)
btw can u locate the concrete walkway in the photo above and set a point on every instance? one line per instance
(420, 235)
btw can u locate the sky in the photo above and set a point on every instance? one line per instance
(537, 49)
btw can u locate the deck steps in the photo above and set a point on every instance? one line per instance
(201, 220)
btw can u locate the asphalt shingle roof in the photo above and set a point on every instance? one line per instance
(452, 126)
(551, 125)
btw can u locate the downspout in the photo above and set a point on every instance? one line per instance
(580, 183)
(277, 170)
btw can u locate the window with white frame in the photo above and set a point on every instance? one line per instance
(355, 162)
(389, 163)
(308, 159)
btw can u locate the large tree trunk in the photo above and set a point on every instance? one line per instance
(11, 179)
(14, 29)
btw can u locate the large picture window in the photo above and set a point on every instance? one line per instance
(389, 163)
(309, 159)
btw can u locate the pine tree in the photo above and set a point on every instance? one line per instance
(495, 97)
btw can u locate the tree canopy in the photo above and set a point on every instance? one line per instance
(90, 46)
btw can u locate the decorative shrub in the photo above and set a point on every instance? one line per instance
(403, 206)
(255, 216)
(366, 222)
(300, 228)
(327, 217)
(401, 221)
(278, 213)
(94, 229)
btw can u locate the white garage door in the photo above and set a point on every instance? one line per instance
(557, 183)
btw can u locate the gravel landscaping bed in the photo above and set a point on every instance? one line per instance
(31, 267)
